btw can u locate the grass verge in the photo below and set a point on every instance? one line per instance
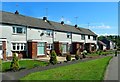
(26, 64)
(90, 70)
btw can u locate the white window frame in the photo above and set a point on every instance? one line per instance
(50, 46)
(20, 45)
(89, 36)
(94, 38)
(15, 29)
(82, 38)
(49, 33)
(69, 35)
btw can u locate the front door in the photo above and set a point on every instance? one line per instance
(41, 48)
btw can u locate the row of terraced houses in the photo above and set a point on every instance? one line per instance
(32, 37)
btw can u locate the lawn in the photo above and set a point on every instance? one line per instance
(90, 70)
(97, 53)
(28, 64)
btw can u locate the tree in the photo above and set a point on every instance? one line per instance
(53, 59)
(15, 63)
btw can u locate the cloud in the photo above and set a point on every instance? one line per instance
(68, 22)
(102, 26)
(96, 26)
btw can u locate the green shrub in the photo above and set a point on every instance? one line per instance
(68, 57)
(53, 59)
(15, 63)
(77, 55)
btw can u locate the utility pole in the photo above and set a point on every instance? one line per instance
(62, 19)
(88, 25)
(46, 12)
(76, 19)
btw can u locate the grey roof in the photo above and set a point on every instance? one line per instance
(19, 19)
(65, 27)
(86, 31)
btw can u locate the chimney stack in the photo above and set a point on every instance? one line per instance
(16, 12)
(45, 19)
(76, 25)
(62, 22)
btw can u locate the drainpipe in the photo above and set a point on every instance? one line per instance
(53, 38)
(26, 42)
(71, 43)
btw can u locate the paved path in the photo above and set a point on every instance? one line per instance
(112, 69)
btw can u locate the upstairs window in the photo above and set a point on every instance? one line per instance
(49, 33)
(82, 37)
(19, 30)
(69, 35)
(94, 38)
(88, 36)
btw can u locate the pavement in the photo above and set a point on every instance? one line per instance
(112, 69)
(59, 58)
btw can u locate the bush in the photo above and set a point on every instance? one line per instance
(68, 57)
(53, 59)
(15, 63)
(77, 55)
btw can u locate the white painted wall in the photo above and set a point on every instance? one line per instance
(34, 34)
(104, 47)
(76, 38)
(62, 37)
(90, 40)
(7, 33)
(0, 31)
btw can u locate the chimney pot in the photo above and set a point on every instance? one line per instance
(44, 18)
(76, 25)
(62, 22)
(16, 12)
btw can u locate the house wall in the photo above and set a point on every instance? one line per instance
(76, 38)
(61, 37)
(7, 33)
(0, 31)
(34, 34)
(90, 40)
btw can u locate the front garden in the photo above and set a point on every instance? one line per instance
(90, 70)
(24, 64)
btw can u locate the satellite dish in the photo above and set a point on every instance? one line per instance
(42, 34)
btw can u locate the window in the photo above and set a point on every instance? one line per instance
(18, 46)
(88, 36)
(49, 33)
(49, 46)
(0, 47)
(19, 30)
(94, 37)
(41, 48)
(68, 35)
(14, 46)
(82, 37)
